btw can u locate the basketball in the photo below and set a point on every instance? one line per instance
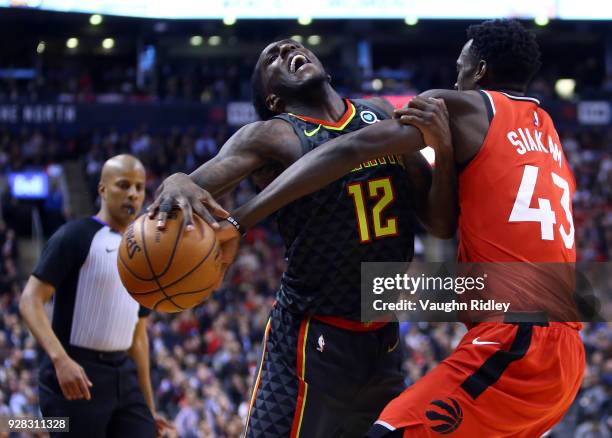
(170, 270)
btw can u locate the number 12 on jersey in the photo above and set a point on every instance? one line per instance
(382, 190)
(522, 212)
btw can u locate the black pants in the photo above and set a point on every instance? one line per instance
(117, 408)
(319, 380)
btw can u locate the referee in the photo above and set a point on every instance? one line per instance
(96, 367)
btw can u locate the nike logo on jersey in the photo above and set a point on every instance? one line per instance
(313, 132)
(477, 342)
(109, 250)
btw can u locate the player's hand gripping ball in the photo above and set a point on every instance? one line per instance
(170, 270)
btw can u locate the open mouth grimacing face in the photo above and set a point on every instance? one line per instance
(295, 61)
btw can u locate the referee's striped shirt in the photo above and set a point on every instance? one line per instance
(91, 308)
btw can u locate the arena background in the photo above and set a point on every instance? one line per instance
(77, 88)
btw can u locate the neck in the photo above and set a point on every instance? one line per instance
(508, 88)
(326, 105)
(105, 216)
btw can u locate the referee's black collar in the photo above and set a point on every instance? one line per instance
(100, 221)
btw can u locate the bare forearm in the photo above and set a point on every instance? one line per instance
(214, 177)
(327, 163)
(140, 354)
(139, 351)
(33, 312)
(442, 205)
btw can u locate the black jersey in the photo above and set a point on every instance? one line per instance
(366, 216)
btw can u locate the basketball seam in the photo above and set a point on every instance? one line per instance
(183, 293)
(176, 241)
(149, 264)
(181, 278)
(138, 277)
(157, 290)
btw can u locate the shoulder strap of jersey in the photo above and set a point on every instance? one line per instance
(489, 103)
(295, 124)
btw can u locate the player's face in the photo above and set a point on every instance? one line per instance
(123, 193)
(287, 66)
(467, 66)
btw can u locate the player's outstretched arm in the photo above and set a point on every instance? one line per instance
(435, 192)
(249, 149)
(329, 162)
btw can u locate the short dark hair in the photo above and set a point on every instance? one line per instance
(511, 51)
(259, 95)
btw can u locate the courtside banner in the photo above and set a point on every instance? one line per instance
(480, 292)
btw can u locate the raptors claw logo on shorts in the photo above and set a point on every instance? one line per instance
(447, 418)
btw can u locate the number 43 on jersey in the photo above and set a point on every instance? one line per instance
(522, 212)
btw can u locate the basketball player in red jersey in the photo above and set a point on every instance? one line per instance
(505, 379)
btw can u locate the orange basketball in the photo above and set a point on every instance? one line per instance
(172, 270)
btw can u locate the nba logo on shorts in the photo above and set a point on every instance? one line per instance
(368, 117)
(536, 122)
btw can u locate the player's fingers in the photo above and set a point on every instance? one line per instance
(400, 112)
(161, 220)
(418, 102)
(203, 212)
(416, 117)
(165, 207)
(415, 121)
(214, 206)
(440, 105)
(152, 209)
(187, 210)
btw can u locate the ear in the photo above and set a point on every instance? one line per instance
(481, 71)
(101, 190)
(274, 104)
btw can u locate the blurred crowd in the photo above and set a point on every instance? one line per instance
(204, 359)
(223, 79)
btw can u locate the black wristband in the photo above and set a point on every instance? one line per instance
(236, 224)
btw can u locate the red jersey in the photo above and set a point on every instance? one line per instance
(516, 194)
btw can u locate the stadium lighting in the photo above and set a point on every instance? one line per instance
(411, 20)
(304, 21)
(377, 84)
(297, 38)
(214, 40)
(108, 43)
(541, 20)
(314, 40)
(229, 20)
(95, 20)
(196, 40)
(565, 88)
(72, 43)
(40, 48)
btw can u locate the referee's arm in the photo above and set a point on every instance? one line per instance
(70, 375)
(139, 351)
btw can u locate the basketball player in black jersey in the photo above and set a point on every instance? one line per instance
(323, 373)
